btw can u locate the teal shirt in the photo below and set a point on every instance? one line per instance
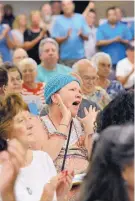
(43, 75)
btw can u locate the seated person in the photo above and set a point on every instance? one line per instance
(14, 85)
(103, 63)
(125, 69)
(91, 91)
(49, 55)
(18, 55)
(37, 167)
(28, 68)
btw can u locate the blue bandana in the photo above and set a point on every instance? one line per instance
(55, 84)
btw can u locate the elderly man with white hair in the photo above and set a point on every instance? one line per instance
(28, 68)
(49, 55)
(84, 68)
(103, 63)
(18, 55)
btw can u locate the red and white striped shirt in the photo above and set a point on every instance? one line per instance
(38, 91)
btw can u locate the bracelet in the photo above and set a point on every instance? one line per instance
(63, 125)
(60, 134)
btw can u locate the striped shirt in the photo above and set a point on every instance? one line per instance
(38, 91)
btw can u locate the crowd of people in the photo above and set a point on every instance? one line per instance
(66, 104)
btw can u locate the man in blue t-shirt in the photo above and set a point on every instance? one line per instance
(70, 30)
(113, 36)
(49, 55)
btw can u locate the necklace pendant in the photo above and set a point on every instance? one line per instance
(29, 191)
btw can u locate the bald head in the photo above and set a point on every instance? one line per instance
(88, 74)
(19, 55)
(84, 66)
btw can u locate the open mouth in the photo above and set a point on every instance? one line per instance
(76, 103)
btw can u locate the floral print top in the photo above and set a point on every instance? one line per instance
(100, 97)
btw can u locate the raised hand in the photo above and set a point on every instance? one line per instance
(90, 116)
(66, 114)
(69, 33)
(11, 161)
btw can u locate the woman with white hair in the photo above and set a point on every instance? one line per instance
(103, 63)
(28, 68)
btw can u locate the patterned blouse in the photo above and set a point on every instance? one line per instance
(100, 97)
(77, 155)
(114, 88)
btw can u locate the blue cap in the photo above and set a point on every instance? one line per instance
(56, 83)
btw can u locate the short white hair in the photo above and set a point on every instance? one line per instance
(76, 66)
(47, 40)
(96, 58)
(27, 61)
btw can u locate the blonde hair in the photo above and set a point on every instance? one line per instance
(33, 12)
(16, 21)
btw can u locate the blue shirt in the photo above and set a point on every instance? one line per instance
(43, 75)
(114, 89)
(116, 50)
(4, 50)
(73, 47)
(131, 27)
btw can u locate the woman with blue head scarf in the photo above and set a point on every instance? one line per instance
(63, 96)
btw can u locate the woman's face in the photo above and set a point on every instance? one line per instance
(104, 67)
(14, 83)
(29, 74)
(71, 96)
(29, 130)
(36, 19)
(22, 20)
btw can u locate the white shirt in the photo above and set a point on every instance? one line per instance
(123, 69)
(31, 180)
(18, 35)
(90, 44)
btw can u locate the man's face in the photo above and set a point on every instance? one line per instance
(112, 18)
(49, 55)
(91, 19)
(67, 7)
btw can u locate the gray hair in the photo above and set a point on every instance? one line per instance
(27, 61)
(47, 40)
(76, 66)
(96, 58)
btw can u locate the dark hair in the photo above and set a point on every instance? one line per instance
(11, 68)
(114, 151)
(8, 7)
(130, 47)
(3, 77)
(110, 8)
(119, 111)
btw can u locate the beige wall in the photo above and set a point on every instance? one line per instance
(26, 6)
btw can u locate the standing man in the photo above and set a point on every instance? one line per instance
(113, 36)
(70, 30)
(90, 45)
